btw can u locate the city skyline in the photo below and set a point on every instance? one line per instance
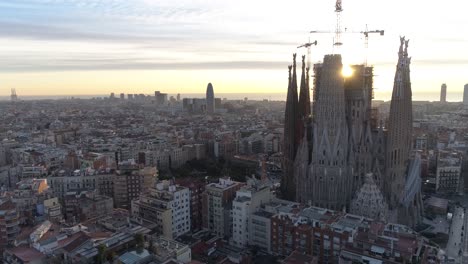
(89, 47)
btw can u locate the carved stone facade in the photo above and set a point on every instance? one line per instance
(369, 201)
(326, 181)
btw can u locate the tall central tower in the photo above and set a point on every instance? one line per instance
(329, 168)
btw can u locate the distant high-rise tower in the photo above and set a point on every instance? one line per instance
(178, 97)
(210, 101)
(402, 183)
(14, 96)
(291, 117)
(122, 96)
(443, 93)
(465, 96)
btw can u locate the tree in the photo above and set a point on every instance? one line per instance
(54, 259)
(110, 256)
(150, 246)
(140, 242)
(101, 253)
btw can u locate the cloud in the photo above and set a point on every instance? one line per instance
(39, 32)
(426, 62)
(461, 61)
(124, 64)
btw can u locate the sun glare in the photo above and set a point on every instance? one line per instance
(347, 71)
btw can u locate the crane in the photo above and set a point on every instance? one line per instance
(365, 33)
(338, 31)
(308, 45)
(338, 10)
(366, 39)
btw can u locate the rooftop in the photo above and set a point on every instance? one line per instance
(264, 214)
(26, 254)
(299, 258)
(134, 257)
(223, 184)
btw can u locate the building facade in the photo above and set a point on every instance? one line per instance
(326, 180)
(163, 198)
(449, 172)
(196, 189)
(248, 200)
(217, 205)
(62, 183)
(130, 181)
(9, 223)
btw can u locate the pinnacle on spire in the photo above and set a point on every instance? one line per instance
(290, 135)
(303, 63)
(406, 47)
(399, 135)
(304, 104)
(294, 78)
(304, 97)
(402, 41)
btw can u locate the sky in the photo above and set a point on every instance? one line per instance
(74, 47)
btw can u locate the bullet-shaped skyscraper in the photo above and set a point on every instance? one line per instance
(443, 93)
(210, 101)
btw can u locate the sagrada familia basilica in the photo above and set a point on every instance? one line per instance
(340, 155)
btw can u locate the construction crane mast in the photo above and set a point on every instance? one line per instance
(338, 10)
(308, 45)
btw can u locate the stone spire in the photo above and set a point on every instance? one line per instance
(304, 102)
(304, 97)
(400, 128)
(290, 136)
(402, 182)
(299, 124)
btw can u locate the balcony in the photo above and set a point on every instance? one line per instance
(12, 224)
(11, 217)
(11, 232)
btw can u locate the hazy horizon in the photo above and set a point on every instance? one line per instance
(424, 96)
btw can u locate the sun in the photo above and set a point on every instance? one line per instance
(347, 71)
